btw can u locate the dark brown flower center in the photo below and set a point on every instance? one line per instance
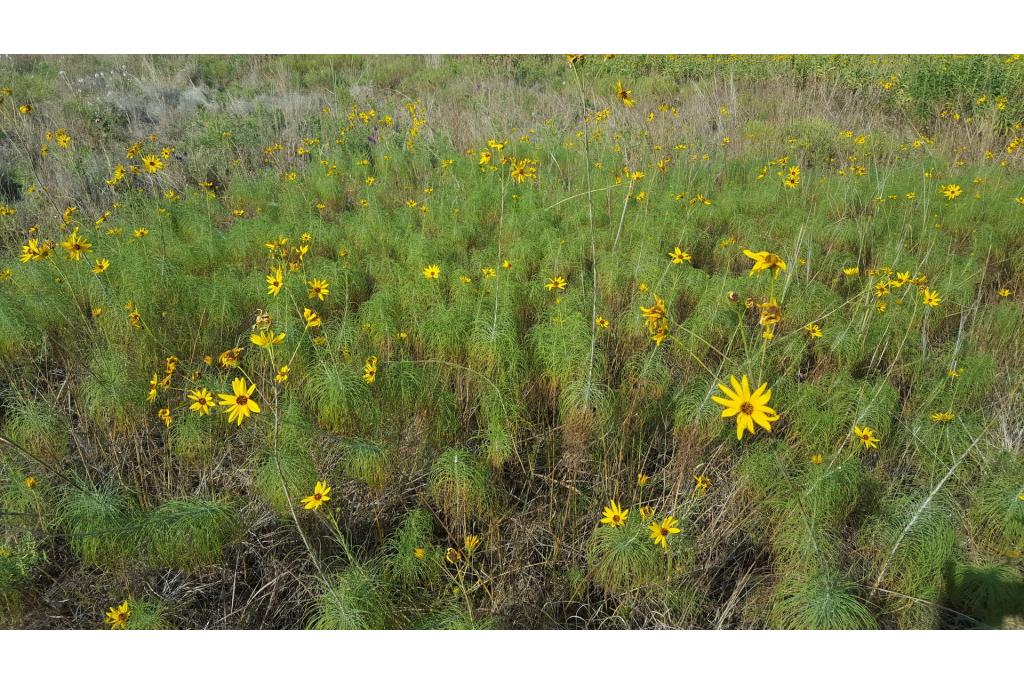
(747, 408)
(242, 400)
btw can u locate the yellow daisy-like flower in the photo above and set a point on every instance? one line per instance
(239, 403)
(152, 164)
(471, 542)
(656, 320)
(266, 338)
(867, 437)
(614, 516)
(76, 246)
(370, 369)
(625, 96)
(35, 251)
(680, 257)
(813, 330)
(771, 313)
(432, 272)
(319, 289)
(660, 532)
(764, 261)
(1004, 292)
(521, 171)
(154, 383)
(100, 265)
(320, 495)
(601, 322)
(943, 416)
(282, 374)
(117, 617)
(701, 483)
(275, 280)
(165, 416)
(229, 358)
(931, 298)
(951, 191)
(311, 318)
(749, 408)
(556, 283)
(202, 401)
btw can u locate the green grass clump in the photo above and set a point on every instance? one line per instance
(415, 561)
(338, 397)
(997, 509)
(459, 483)
(366, 461)
(147, 615)
(104, 526)
(623, 557)
(283, 477)
(823, 601)
(355, 599)
(38, 428)
(989, 594)
(190, 533)
(19, 556)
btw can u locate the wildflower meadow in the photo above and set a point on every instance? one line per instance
(512, 342)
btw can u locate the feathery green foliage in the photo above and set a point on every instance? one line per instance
(318, 332)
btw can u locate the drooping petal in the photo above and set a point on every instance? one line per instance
(762, 420)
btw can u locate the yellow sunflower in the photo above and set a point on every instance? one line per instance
(749, 408)
(239, 403)
(320, 495)
(614, 516)
(764, 261)
(660, 532)
(275, 279)
(118, 616)
(202, 401)
(319, 289)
